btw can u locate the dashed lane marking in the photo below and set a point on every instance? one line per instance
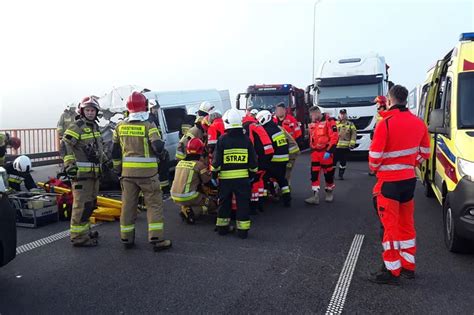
(338, 299)
(44, 241)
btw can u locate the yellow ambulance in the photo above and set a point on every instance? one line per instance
(447, 106)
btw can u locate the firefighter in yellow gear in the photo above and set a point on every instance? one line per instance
(188, 185)
(136, 146)
(195, 131)
(347, 141)
(83, 155)
(6, 141)
(66, 119)
(294, 151)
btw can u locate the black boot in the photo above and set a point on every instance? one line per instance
(286, 200)
(223, 230)
(253, 207)
(261, 202)
(407, 274)
(384, 277)
(341, 173)
(243, 234)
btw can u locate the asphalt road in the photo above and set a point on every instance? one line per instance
(291, 263)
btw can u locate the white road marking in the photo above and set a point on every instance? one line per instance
(336, 305)
(44, 241)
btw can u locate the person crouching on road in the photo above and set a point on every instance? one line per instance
(347, 141)
(400, 143)
(235, 166)
(20, 172)
(190, 176)
(83, 155)
(323, 140)
(136, 146)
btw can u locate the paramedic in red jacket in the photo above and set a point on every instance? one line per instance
(400, 143)
(284, 119)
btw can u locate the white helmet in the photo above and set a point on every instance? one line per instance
(232, 119)
(264, 117)
(254, 112)
(206, 107)
(22, 164)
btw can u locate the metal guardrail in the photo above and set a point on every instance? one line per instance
(39, 144)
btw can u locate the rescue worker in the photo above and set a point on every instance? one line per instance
(215, 130)
(278, 164)
(381, 102)
(66, 119)
(234, 166)
(347, 141)
(293, 151)
(190, 177)
(264, 150)
(197, 131)
(137, 144)
(400, 143)
(83, 155)
(284, 119)
(323, 142)
(6, 141)
(188, 122)
(164, 157)
(19, 173)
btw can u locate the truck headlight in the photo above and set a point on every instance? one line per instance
(466, 169)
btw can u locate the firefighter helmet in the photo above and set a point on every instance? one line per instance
(381, 100)
(22, 164)
(89, 101)
(137, 103)
(206, 107)
(195, 146)
(232, 119)
(263, 117)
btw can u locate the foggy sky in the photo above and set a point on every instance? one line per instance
(55, 52)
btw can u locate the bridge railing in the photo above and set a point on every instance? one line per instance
(40, 144)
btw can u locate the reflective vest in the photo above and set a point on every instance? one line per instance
(279, 142)
(293, 148)
(82, 145)
(290, 124)
(400, 142)
(258, 136)
(347, 134)
(194, 132)
(66, 119)
(323, 134)
(234, 156)
(135, 139)
(188, 178)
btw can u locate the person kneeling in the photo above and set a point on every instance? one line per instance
(190, 176)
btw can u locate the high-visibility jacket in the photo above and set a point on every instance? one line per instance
(189, 177)
(66, 119)
(136, 147)
(234, 156)
(216, 129)
(401, 141)
(347, 134)
(323, 134)
(82, 146)
(293, 148)
(279, 142)
(290, 124)
(259, 137)
(194, 132)
(15, 178)
(3, 148)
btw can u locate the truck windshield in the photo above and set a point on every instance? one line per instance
(348, 96)
(466, 100)
(267, 102)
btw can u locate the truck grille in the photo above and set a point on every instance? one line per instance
(362, 122)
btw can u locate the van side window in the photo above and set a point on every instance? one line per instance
(441, 90)
(174, 118)
(447, 103)
(424, 97)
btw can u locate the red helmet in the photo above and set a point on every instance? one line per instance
(195, 146)
(14, 142)
(381, 100)
(137, 103)
(89, 101)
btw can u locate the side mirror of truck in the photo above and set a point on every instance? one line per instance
(308, 98)
(436, 122)
(238, 105)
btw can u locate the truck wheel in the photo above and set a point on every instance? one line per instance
(453, 242)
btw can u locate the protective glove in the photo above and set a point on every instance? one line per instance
(326, 156)
(214, 182)
(71, 170)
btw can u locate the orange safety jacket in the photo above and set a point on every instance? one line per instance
(290, 124)
(323, 134)
(401, 141)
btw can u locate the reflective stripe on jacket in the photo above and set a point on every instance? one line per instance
(347, 134)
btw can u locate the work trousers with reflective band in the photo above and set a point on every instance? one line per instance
(277, 170)
(396, 208)
(289, 168)
(318, 163)
(84, 194)
(258, 187)
(201, 205)
(164, 172)
(340, 156)
(240, 188)
(131, 188)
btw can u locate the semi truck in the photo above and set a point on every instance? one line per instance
(351, 83)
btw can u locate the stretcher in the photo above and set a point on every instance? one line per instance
(108, 209)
